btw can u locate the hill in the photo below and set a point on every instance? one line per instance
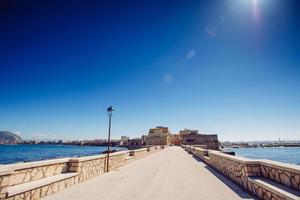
(7, 137)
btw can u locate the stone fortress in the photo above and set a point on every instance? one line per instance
(158, 136)
(192, 137)
(161, 135)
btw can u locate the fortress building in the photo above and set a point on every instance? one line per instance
(192, 137)
(158, 136)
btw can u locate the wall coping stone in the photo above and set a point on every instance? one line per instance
(234, 158)
(206, 158)
(118, 153)
(201, 149)
(4, 172)
(95, 157)
(280, 165)
(27, 165)
(143, 149)
(87, 158)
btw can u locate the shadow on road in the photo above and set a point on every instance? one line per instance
(233, 186)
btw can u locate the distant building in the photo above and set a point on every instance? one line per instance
(175, 139)
(188, 136)
(192, 137)
(144, 139)
(158, 136)
(135, 143)
(124, 141)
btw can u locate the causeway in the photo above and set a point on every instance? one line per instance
(168, 174)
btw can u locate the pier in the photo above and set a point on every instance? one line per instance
(158, 172)
(168, 174)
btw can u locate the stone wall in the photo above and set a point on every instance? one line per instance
(285, 174)
(43, 191)
(26, 172)
(236, 168)
(246, 172)
(81, 169)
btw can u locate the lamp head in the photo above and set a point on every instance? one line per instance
(110, 110)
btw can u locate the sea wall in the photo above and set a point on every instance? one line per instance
(255, 175)
(34, 180)
(26, 172)
(280, 172)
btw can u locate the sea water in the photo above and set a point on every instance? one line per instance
(281, 154)
(26, 153)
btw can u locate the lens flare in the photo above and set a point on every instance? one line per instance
(255, 10)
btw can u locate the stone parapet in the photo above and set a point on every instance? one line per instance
(260, 177)
(74, 170)
(286, 174)
(27, 172)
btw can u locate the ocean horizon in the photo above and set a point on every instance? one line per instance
(281, 154)
(28, 153)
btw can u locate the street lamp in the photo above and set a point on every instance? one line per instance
(110, 111)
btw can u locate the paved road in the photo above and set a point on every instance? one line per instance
(168, 174)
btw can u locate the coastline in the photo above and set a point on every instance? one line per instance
(39, 152)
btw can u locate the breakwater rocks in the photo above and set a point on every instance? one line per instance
(34, 180)
(265, 179)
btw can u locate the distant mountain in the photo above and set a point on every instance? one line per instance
(7, 137)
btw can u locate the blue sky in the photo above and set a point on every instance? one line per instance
(228, 67)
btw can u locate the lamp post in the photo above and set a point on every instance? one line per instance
(109, 113)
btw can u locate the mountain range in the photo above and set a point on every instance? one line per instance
(7, 137)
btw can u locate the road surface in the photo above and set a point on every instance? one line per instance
(169, 174)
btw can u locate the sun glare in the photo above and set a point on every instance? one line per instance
(255, 9)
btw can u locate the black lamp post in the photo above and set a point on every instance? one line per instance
(110, 111)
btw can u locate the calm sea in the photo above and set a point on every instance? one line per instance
(282, 154)
(26, 153)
